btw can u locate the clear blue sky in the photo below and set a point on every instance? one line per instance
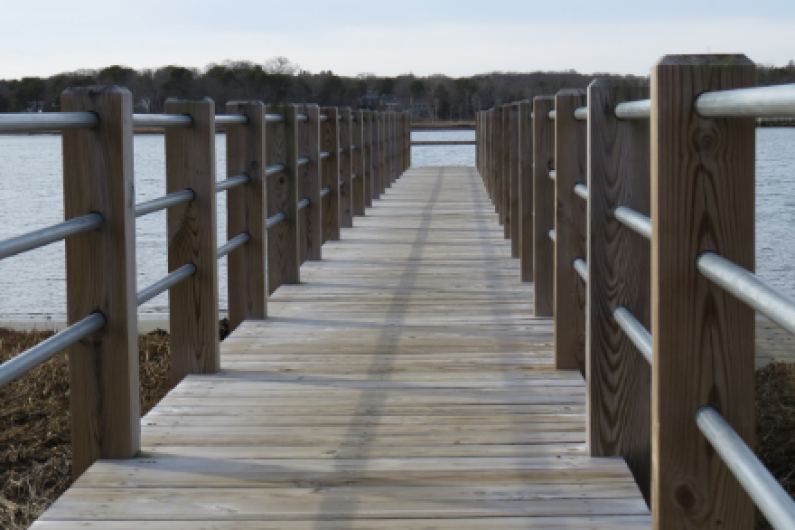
(389, 38)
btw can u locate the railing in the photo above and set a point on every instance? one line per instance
(280, 193)
(651, 226)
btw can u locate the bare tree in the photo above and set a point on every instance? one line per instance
(280, 65)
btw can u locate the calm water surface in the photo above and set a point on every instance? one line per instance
(32, 285)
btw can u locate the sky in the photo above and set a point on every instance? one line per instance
(388, 38)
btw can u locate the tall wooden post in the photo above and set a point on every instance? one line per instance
(376, 151)
(525, 148)
(543, 206)
(192, 238)
(284, 265)
(513, 150)
(383, 154)
(617, 375)
(505, 169)
(358, 161)
(100, 276)
(345, 169)
(329, 173)
(571, 226)
(702, 199)
(310, 219)
(497, 170)
(368, 173)
(245, 212)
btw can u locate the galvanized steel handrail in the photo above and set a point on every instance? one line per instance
(272, 170)
(581, 114)
(341, 183)
(326, 154)
(274, 118)
(581, 190)
(552, 174)
(275, 219)
(303, 203)
(759, 102)
(552, 234)
(633, 110)
(638, 334)
(45, 350)
(633, 220)
(301, 117)
(353, 176)
(51, 234)
(552, 114)
(173, 278)
(172, 199)
(325, 191)
(581, 267)
(161, 121)
(324, 117)
(232, 182)
(225, 120)
(303, 160)
(232, 244)
(48, 121)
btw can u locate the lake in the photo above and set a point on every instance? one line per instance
(32, 285)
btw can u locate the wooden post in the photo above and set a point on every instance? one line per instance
(330, 174)
(345, 169)
(497, 170)
(525, 148)
(358, 162)
(505, 169)
(375, 149)
(407, 142)
(100, 274)
(368, 172)
(383, 160)
(192, 238)
(702, 188)
(284, 265)
(310, 219)
(617, 375)
(571, 226)
(543, 206)
(245, 212)
(513, 151)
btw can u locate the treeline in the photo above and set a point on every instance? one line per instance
(278, 80)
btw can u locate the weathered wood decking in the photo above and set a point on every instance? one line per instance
(404, 384)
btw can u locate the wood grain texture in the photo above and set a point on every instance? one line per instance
(369, 170)
(514, 201)
(245, 212)
(284, 265)
(505, 168)
(498, 141)
(571, 159)
(193, 238)
(358, 185)
(543, 206)
(384, 178)
(310, 219)
(525, 172)
(346, 168)
(619, 269)
(377, 154)
(330, 170)
(100, 276)
(404, 381)
(702, 198)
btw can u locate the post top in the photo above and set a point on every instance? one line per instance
(728, 59)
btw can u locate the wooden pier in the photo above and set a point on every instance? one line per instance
(404, 384)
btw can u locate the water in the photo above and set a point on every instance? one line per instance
(32, 285)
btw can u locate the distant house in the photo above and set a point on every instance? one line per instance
(420, 107)
(373, 100)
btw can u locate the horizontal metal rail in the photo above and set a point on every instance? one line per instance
(582, 268)
(552, 174)
(173, 278)
(552, 234)
(47, 121)
(759, 102)
(232, 244)
(172, 199)
(326, 154)
(341, 150)
(353, 176)
(747, 287)
(634, 110)
(303, 160)
(633, 220)
(552, 114)
(45, 350)
(275, 219)
(161, 121)
(771, 499)
(325, 191)
(324, 117)
(225, 120)
(353, 147)
(342, 182)
(582, 191)
(272, 170)
(51, 234)
(231, 182)
(581, 114)
(638, 334)
(301, 117)
(274, 118)
(303, 203)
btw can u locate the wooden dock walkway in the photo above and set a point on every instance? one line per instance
(405, 384)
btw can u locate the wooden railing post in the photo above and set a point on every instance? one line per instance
(525, 148)
(617, 375)
(368, 173)
(245, 212)
(383, 155)
(513, 160)
(406, 142)
(497, 171)
(332, 203)
(505, 169)
(358, 156)
(284, 265)
(543, 206)
(310, 219)
(702, 199)
(192, 238)
(571, 226)
(345, 170)
(376, 151)
(100, 274)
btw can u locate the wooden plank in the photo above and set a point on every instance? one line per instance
(346, 169)
(100, 273)
(310, 219)
(358, 157)
(571, 227)
(330, 170)
(245, 213)
(369, 170)
(505, 169)
(543, 206)
(192, 238)
(619, 269)
(525, 192)
(703, 338)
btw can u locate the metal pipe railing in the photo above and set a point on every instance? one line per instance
(303, 203)
(301, 117)
(633, 110)
(768, 495)
(161, 121)
(638, 334)
(552, 114)
(45, 350)
(552, 234)
(326, 154)
(582, 191)
(552, 174)
(274, 118)
(324, 117)
(225, 120)
(341, 150)
(582, 268)
(353, 176)
(173, 278)
(758, 102)
(51, 234)
(325, 191)
(232, 244)
(272, 170)
(633, 220)
(581, 113)
(353, 147)
(747, 287)
(232, 182)
(275, 219)
(172, 199)
(49, 121)
(303, 160)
